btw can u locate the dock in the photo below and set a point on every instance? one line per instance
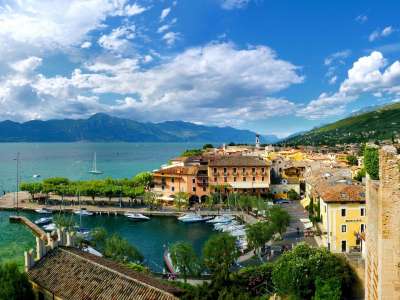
(39, 232)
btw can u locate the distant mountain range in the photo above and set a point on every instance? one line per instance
(104, 128)
(374, 123)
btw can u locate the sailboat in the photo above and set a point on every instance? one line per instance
(94, 167)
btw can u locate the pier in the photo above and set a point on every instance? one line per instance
(32, 226)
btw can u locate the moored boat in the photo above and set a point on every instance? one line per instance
(168, 262)
(50, 227)
(83, 212)
(43, 221)
(221, 219)
(136, 216)
(43, 211)
(191, 218)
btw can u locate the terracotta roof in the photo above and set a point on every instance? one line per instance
(238, 161)
(177, 170)
(72, 274)
(341, 192)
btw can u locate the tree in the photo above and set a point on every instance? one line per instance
(327, 289)
(32, 188)
(181, 199)
(352, 160)
(184, 258)
(279, 218)
(151, 199)
(64, 221)
(98, 235)
(219, 255)
(293, 195)
(258, 234)
(371, 162)
(192, 152)
(143, 179)
(14, 285)
(360, 175)
(119, 249)
(207, 146)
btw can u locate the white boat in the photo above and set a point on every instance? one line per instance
(43, 221)
(136, 216)
(239, 232)
(36, 175)
(233, 228)
(43, 211)
(191, 218)
(221, 219)
(50, 227)
(221, 226)
(91, 250)
(83, 212)
(94, 170)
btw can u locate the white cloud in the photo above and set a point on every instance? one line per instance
(337, 57)
(86, 45)
(376, 34)
(234, 4)
(27, 65)
(361, 19)
(217, 83)
(134, 9)
(163, 28)
(333, 79)
(118, 39)
(171, 37)
(164, 13)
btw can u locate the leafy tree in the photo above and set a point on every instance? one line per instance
(184, 258)
(99, 236)
(143, 179)
(208, 146)
(64, 221)
(293, 195)
(371, 162)
(32, 188)
(327, 289)
(279, 218)
(360, 175)
(258, 234)
(192, 152)
(219, 255)
(151, 199)
(352, 160)
(14, 285)
(181, 199)
(119, 249)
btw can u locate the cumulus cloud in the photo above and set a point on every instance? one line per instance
(171, 37)
(234, 4)
(219, 83)
(376, 34)
(164, 13)
(86, 45)
(118, 39)
(26, 65)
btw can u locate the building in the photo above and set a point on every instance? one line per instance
(382, 257)
(243, 174)
(64, 272)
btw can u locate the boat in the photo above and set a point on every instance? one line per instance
(233, 228)
(94, 170)
(43, 221)
(221, 219)
(238, 233)
(50, 227)
(36, 175)
(221, 226)
(91, 250)
(83, 212)
(43, 211)
(191, 218)
(168, 262)
(136, 216)
(84, 233)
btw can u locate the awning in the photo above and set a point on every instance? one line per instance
(305, 202)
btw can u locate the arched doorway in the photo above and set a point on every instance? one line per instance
(194, 199)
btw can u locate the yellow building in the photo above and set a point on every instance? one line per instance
(342, 214)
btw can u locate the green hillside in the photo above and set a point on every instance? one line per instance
(380, 124)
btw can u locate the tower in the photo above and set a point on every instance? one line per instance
(257, 141)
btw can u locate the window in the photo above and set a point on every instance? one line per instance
(344, 228)
(254, 190)
(215, 179)
(224, 170)
(344, 246)
(194, 180)
(215, 170)
(254, 179)
(172, 180)
(244, 170)
(253, 170)
(225, 179)
(262, 178)
(234, 170)
(193, 189)
(204, 189)
(362, 229)
(244, 178)
(163, 187)
(262, 170)
(362, 212)
(343, 212)
(173, 188)
(234, 179)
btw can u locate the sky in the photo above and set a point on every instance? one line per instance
(274, 67)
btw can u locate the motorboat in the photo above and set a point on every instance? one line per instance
(221, 226)
(238, 233)
(43, 211)
(191, 218)
(36, 176)
(168, 262)
(83, 212)
(50, 227)
(221, 219)
(43, 221)
(233, 228)
(91, 250)
(136, 216)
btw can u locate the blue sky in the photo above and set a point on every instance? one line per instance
(276, 67)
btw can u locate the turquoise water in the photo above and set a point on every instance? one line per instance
(149, 237)
(73, 160)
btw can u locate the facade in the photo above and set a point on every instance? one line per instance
(382, 259)
(243, 174)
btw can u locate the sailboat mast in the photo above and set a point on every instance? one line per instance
(94, 162)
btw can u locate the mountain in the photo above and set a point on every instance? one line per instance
(104, 128)
(383, 123)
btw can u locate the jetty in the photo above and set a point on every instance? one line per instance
(39, 232)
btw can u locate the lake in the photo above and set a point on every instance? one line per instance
(74, 160)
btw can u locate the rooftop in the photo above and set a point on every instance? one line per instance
(72, 274)
(238, 161)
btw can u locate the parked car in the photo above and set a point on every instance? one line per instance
(281, 201)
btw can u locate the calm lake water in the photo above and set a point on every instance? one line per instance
(73, 160)
(149, 236)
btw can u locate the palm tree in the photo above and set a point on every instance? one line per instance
(181, 199)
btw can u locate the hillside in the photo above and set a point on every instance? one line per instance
(104, 128)
(380, 124)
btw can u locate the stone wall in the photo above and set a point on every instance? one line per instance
(383, 229)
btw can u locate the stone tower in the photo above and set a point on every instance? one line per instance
(257, 141)
(382, 265)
